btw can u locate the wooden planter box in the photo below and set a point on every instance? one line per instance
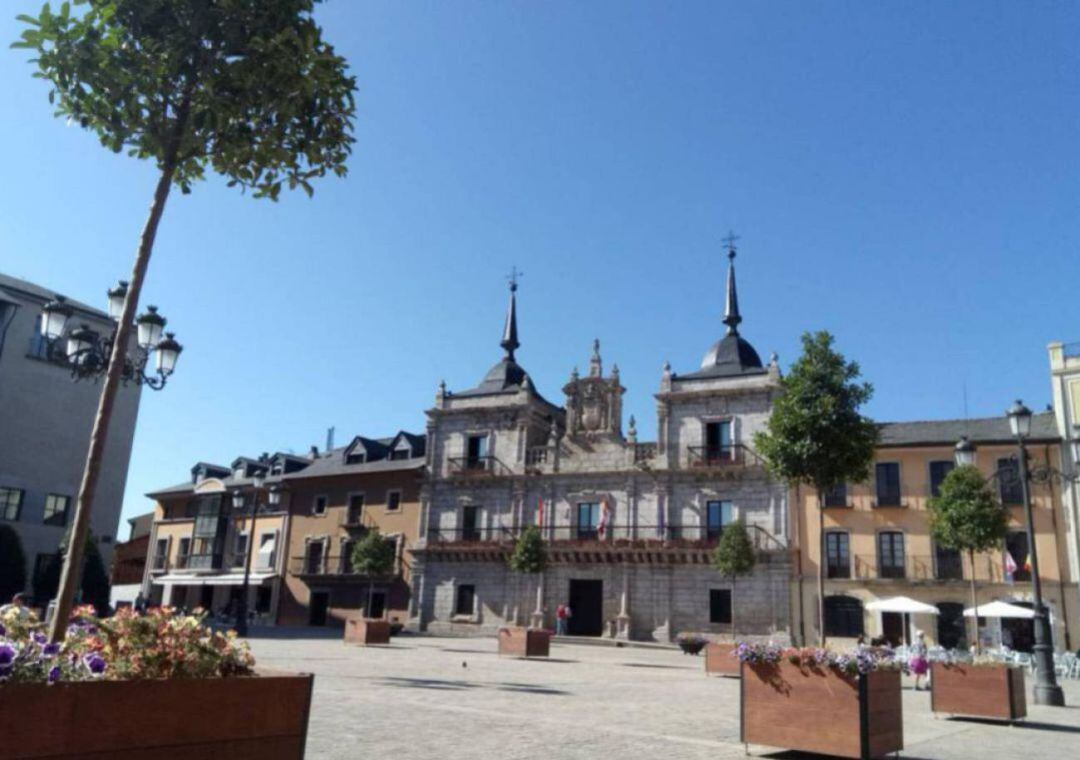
(524, 642)
(365, 632)
(821, 710)
(262, 717)
(982, 691)
(720, 660)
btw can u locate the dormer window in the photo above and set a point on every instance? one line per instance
(400, 453)
(358, 457)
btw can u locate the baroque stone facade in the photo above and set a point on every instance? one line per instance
(630, 526)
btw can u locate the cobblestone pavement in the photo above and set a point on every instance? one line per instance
(449, 698)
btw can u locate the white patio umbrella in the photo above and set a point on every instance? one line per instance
(903, 604)
(1000, 610)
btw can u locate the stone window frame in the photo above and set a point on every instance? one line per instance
(276, 534)
(323, 539)
(470, 433)
(899, 484)
(706, 419)
(850, 557)
(315, 511)
(576, 498)
(877, 550)
(348, 506)
(400, 494)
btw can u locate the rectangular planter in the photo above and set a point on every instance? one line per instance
(524, 642)
(365, 632)
(821, 710)
(262, 717)
(720, 660)
(983, 691)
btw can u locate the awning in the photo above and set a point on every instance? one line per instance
(219, 579)
(1000, 610)
(902, 604)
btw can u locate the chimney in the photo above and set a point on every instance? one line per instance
(330, 439)
(314, 453)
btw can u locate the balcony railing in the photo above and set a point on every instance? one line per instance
(731, 455)
(477, 466)
(671, 535)
(538, 455)
(493, 534)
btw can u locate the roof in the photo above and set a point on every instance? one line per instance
(731, 356)
(25, 287)
(979, 430)
(140, 525)
(334, 464)
(507, 376)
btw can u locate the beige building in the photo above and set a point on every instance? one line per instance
(878, 543)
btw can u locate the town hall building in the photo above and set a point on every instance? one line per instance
(630, 526)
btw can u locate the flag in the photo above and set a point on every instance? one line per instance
(540, 513)
(605, 516)
(1010, 566)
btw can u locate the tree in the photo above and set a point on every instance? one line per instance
(12, 564)
(966, 516)
(94, 579)
(245, 88)
(817, 435)
(734, 556)
(373, 556)
(530, 558)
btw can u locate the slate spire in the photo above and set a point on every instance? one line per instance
(510, 333)
(731, 309)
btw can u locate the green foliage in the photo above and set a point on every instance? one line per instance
(734, 554)
(816, 433)
(967, 516)
(373, 555)
(246, 87)
(95, 580)
(529, 554)
(12, 564)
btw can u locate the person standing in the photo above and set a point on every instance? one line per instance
(561, 614)
(918, 663)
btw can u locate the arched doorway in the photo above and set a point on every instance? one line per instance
(950, 625)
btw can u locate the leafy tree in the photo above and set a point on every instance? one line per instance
(734, 556)
(530, 558)
(12, 564)
(373, 556)
(245, 88)
(966, 516)
(94, 583)
(817, 435)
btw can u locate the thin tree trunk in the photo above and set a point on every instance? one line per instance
(84, 505)
(974, 604)
(733, 629)
(821, 568)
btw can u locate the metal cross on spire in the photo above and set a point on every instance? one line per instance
(729, 243)
(512, 278)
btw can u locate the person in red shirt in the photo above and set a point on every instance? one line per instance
(562, 614)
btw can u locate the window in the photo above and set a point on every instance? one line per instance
(161, 553)
(1009, 486)
(718, 441)
(313, 560)
(476, 452)
(318, 507)
(10, 503)
(356, 509)
(356, 458)
(393, 501)
(1016, 544)
(843, 616)
(588, 520)
(267, 551)
(891, 554)
(182, 554)
(837, 497)
(717, 515)
(887, 475)
(400, 454)
(39, 344)
(938, 472)
(719, 605)
(947, 564)
(466, 600)
(469, 530)
(56, 508)
(240, 549)
(837, 554)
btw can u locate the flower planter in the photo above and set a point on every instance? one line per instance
(258, 717)
(822, 710)
(720, 660)
(524, 642)
(691, 646)
(979, 691)
(366, 632)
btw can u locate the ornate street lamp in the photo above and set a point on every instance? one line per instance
(965, 452)
(88, 352)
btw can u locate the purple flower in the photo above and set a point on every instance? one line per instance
(39, 638)
(54, 674)
(95, 663)
(7, 654)
(50, 650)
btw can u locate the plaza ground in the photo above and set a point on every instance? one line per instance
(449, 698)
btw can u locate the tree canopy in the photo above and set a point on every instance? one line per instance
(373, 555)
(966, 515)
(734, 554)
(246, 87)
(12, 564)
(529, 555)
(817, 433)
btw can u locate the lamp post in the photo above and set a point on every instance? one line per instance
(273, 498)
(91, 355)
(1047, 690)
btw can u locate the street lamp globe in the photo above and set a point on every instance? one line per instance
(54, 317)
(150, 326)
(964, 452)
(1019, 420)
(258, 479)
(117, 296)
(80, 343)
(238, 499)
(168, 351)
(273, 497)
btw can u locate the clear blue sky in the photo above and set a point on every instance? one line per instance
(902, 174)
